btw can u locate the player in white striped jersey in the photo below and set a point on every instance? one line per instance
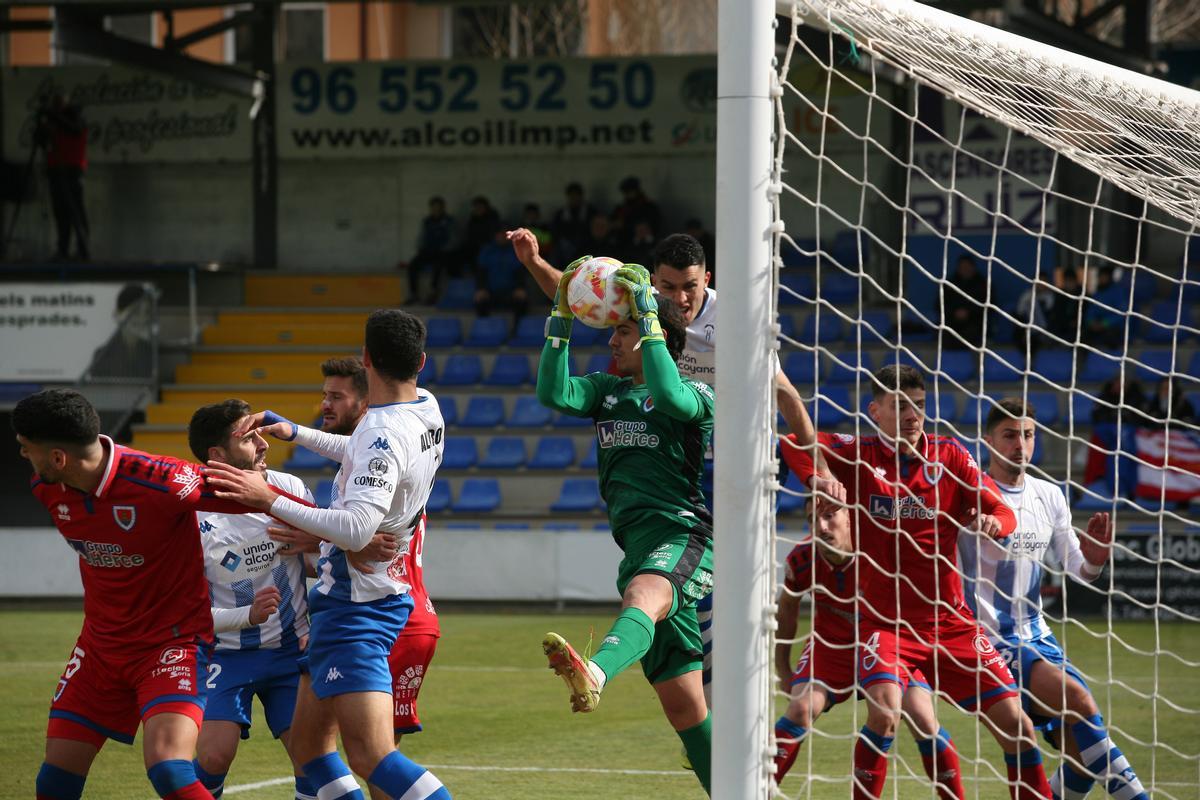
(387, 471)
(1002, 582)
(260, 613)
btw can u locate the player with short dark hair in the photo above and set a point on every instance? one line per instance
(388, 467)
(652, 429)
(913, 493)
(346, 379)
(1003, 587)
(259, 609)
(147, 629)
(824, 563)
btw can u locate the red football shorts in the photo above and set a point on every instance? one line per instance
(962, 664)
(833, 668)
(105, 695)
(408, 663)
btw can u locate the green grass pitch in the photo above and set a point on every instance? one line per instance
(498, 724)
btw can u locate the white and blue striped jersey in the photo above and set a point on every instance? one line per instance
(1002, 580)
(240, 559)
(390, 462)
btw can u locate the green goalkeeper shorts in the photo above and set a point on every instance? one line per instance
(679, 549)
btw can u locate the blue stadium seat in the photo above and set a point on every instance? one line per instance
(428, 373)
(591, 459)
(972, 413)
(914, 328)
(830, 328)
(1099, 369)
(439, 497)
(565, 421)
(878, 326)
(1045, 404)
(561, 526)
(1162, 328)
(449, 410)
(597, 363)
(530, 332)
(587, 336)
(801, 283)
(510, 369)
(787, 502)
(829, 414)
(1055, 366)
(323, 494)
(1082, 406)
(459, 294)
(849, 374)
(504, 452)
(996, 370)
(460, 453)
(787, 325)
(553, 452)
(1099, 498)
(487, 332)
(302, 458)
(513, 526)
(1194, 368)
(483, 412)
(940, 405)
(461, 369)
(529, 413)
(800, 367)
(478, 496)
(837, 287)
(443, 332)
(577, 494)
(1153, 365)
(846, 246)
(958, 365)
(802, 254)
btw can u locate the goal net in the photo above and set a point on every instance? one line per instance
(1015, 221)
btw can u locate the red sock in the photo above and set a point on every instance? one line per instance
(945, 772)
(870, 764)
(193, 791)
(788, 736)
(1029, 782)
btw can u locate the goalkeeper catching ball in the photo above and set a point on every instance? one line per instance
(652, 431)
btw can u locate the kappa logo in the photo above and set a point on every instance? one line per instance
(334, 674)
(207, 527)
(380, 444)
(172, 655)
(231, 561)
(64, 512)
(882, 506)
(187, 479)
(125, 517)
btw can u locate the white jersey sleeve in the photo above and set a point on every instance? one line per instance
(239, 560)
(1064, 544)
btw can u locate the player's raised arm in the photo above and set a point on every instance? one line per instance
(525, 245)
(268, 423)
(983, 508)
(1082, 557)
(556, 388)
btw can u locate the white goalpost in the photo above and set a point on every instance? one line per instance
(861, 157)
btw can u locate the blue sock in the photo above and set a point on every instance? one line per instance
(1067, 784)
(940, 742)
(882, 743)
(304, 789)
(214, 783)
(331, 778)
(400, 777)
(171, 775)
(789, 729)
(56, 782)
(1104, 759)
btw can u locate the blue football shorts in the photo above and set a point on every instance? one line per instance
(349, 643)
(236, 676)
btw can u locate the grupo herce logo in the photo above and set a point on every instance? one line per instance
(698, 91)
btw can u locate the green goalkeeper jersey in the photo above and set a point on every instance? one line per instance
(651, 438)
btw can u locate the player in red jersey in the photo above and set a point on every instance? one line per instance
(824, 676)
(912, 493)
(147, 624)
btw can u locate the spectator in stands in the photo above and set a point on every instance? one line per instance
(62, 133)
(571, 225)
(1062, 317)
(500, 279)
(602, 240)
(1104, 319)
(1126, 401)
(695, 228)
(531, 218)
(640, 249)
(636, 207)
(131, 350)
(1033, 323)
(481, 225)
(1123, 403)
(435, 251)
(963, 297)
(1169, 404)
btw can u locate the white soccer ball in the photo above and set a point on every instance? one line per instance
(594, 297)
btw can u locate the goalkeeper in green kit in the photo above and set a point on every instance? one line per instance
(652, 431)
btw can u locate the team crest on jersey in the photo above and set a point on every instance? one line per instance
(172, 655)
(648, 404)
(709, 330)
(983, 645)
(933, 472)
(125, 517)
(377, 466)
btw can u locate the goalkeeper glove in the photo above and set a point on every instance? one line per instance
(558, 324)
(642, 306)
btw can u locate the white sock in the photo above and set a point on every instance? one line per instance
(598, 674)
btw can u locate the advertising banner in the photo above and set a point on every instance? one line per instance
(50, 332)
